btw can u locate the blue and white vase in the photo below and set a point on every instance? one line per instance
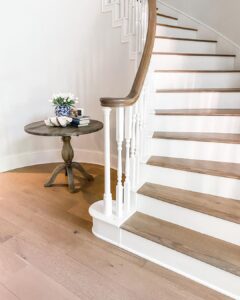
(62, 111)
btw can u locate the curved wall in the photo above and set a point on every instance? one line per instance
(51, 46)
(221, 15)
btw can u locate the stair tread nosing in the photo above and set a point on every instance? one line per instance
(200, 90)
(228, 138)
(166, 16)
(177, 27)
(214, 168)
(215, 252)
(193, 54)
(197, 71)
(197, 112)
(184, 39)
(219, 207)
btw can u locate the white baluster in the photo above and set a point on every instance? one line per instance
(119, 137)
(137, 150)
(107, 192)
(128, 136)
(133, 148)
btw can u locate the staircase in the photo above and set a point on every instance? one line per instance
(179, 204)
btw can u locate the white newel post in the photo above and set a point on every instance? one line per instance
(119, 137)
(107, 192)
(128, 136)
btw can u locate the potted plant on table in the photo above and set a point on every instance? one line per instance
(63, 103)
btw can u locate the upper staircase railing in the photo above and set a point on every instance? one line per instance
(129, 113)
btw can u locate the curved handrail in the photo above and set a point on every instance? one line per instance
(143, 67)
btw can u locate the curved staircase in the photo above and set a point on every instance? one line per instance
(185, 203)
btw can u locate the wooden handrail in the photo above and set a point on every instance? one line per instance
(143, 67)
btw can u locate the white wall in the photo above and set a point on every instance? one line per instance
(221, 15)
(49, 46)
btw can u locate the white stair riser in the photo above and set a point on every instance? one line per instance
(166, 11)
(202, 183)
(221, 124)
(196, 100)
(175, 32)
(203, 273)
(163, 20)
(196, 80)
(195, 150)
(167, 45)
(230, 232)
(184, 62)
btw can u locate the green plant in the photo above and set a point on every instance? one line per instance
(63, 99)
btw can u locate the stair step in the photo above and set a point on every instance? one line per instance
(198, 112)
(181, 43)
(202, 90)
(166, 16)
(218, 253)
(221, 169)
(197, 71)
(193, 54)
(219, 207)
(199, 136)
(184, 39)
(177, 27)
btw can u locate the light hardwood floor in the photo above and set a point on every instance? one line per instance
(47, 250)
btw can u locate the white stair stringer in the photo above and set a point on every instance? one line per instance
(124, 15)
(181, 49)
(203, 273)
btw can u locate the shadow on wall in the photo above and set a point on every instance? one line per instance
(53, 46)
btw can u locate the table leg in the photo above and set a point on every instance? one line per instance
(71, 185)
(67, 155)
(81, 169)
(54, 175)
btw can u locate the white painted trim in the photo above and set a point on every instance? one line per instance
(203, 273)
(202, 24)
(52, 156)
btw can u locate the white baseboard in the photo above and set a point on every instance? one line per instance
(12, 162)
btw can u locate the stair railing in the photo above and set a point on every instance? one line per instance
(130, 109)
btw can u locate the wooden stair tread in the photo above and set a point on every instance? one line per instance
(218, 253)
(197, 71)
(219, 207)
(166, 16)
(214, 168)
(184, 39)
(228, 138)
(198, 112)
(200, 90)
(177, 27)
(193, 54)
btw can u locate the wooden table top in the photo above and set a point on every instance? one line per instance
(39, 128)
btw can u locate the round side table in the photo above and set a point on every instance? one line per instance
(39, 128)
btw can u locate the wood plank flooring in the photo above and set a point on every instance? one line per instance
(213, 251)
(47, 250)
